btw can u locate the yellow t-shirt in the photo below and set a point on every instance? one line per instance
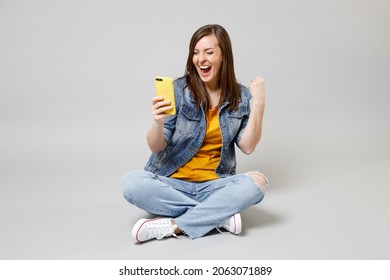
(204, 163)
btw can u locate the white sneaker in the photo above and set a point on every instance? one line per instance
(146, 229)
(232, 224)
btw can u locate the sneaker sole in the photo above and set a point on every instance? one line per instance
(136, 228)
(237, 223)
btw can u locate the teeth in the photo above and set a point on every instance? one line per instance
(204, 67)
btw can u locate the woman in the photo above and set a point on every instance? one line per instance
(190, 180)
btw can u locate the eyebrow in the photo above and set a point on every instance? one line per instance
(205, 49)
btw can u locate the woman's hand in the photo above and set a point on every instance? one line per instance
(159, 107)
(155, 136)
(252, 133)
(257, 89)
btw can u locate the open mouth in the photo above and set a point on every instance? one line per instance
(205, 69)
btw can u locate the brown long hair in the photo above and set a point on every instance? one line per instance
(227, 79)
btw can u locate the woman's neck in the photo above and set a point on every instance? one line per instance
(215, 97)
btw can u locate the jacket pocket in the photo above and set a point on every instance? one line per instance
(188, 120)
(235, 121)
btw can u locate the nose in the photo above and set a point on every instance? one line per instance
(202, 58)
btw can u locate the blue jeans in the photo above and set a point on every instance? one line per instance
(196, 207)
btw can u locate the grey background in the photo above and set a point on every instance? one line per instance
(76, 79)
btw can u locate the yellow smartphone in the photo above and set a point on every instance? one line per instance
(164, 88)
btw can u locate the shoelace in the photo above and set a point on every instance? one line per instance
(222, 232)
(161, 230)
(222, 226)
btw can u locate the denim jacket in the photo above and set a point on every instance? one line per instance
(185, 131)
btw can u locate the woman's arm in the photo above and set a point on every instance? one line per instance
(155, 136)
(252, 132)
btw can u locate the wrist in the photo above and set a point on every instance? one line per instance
(158, 124)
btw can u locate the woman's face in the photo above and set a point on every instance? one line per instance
(207, 60)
